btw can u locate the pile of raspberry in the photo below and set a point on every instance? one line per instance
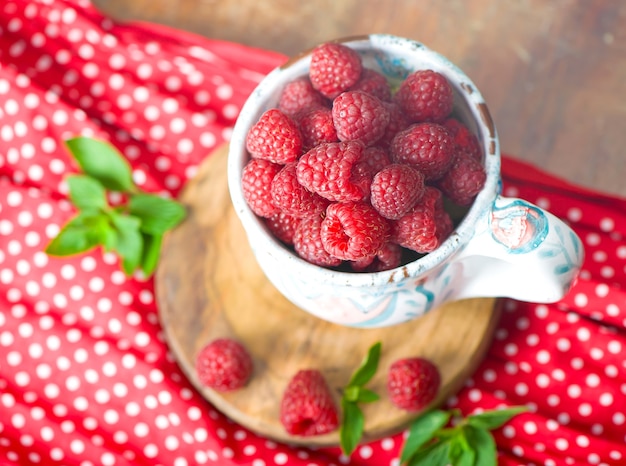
(354, 176)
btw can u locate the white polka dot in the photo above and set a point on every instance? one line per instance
(574, 214)
(574, 391)
(585, 409)
(606, 399)
(583, 334)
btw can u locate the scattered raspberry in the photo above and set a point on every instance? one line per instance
(388, 257)
(425, 226)
(274, 137)
(224, 365)
(396, 189)
(256, 182)
(413, 383)
(464, 139)
(291, 197)
(283, 226)
(317, 126)
(425, 95)
(373, 83)
(353, 230)
(327, 169)
(334, 68)
(307, 407)
(464, 180)
(426, 146)
(307, 243)
(359, 117)
(298, 96)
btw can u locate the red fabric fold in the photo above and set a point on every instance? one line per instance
(85, 375)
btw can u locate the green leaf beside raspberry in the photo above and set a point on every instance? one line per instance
(353, 421)
(469, 442)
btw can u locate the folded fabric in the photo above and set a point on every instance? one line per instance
(85, 374)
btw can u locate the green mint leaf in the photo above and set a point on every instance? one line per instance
(157, 214)
(351, 393)
(422, 431)
(367, 396)
(151, 251)
(435, 454)
(129, 244)
(102, 161)
(461, 452)
(76, 236)
(86, 192)
(352, 425)
(483, 444)
(493, 419)
(368, 367)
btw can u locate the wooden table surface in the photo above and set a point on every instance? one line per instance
(553, 72)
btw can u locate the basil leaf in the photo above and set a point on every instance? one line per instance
(483, 444)
(157, 214)
(491, 420)
(422, 430)
(151, 251)
(435, 454)
(86, 192)
(102, 161)
(81, 233)
(352, 425)
(367, 396)
(129, 242)
(368, 366)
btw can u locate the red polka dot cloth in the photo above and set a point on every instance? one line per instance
(86, 377)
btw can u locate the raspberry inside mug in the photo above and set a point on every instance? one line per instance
(498, 247)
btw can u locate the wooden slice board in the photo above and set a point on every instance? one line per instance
(209, 285)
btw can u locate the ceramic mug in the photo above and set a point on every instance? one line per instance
(503, 247)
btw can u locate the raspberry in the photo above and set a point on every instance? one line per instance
(397, 122)
(353, 230)
(426, 146)
(388, 257)
(372, 161)
(256, 182)
(291, 198)
(376, 158)
(396, 189)
(425, 95)
(413, 383)
(359, 116)
(274, 137)
(327, 169)
(307, 407)
(465, 178)
(307, 243)
(298, 96)
(373, 83)
(464, 139)
(317, 126)
(283, 226)
(425, 226)
(224, 365)
(334, 68)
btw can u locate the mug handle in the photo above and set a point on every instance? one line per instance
(520, 251)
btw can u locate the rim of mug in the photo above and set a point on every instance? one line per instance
(265, 96)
